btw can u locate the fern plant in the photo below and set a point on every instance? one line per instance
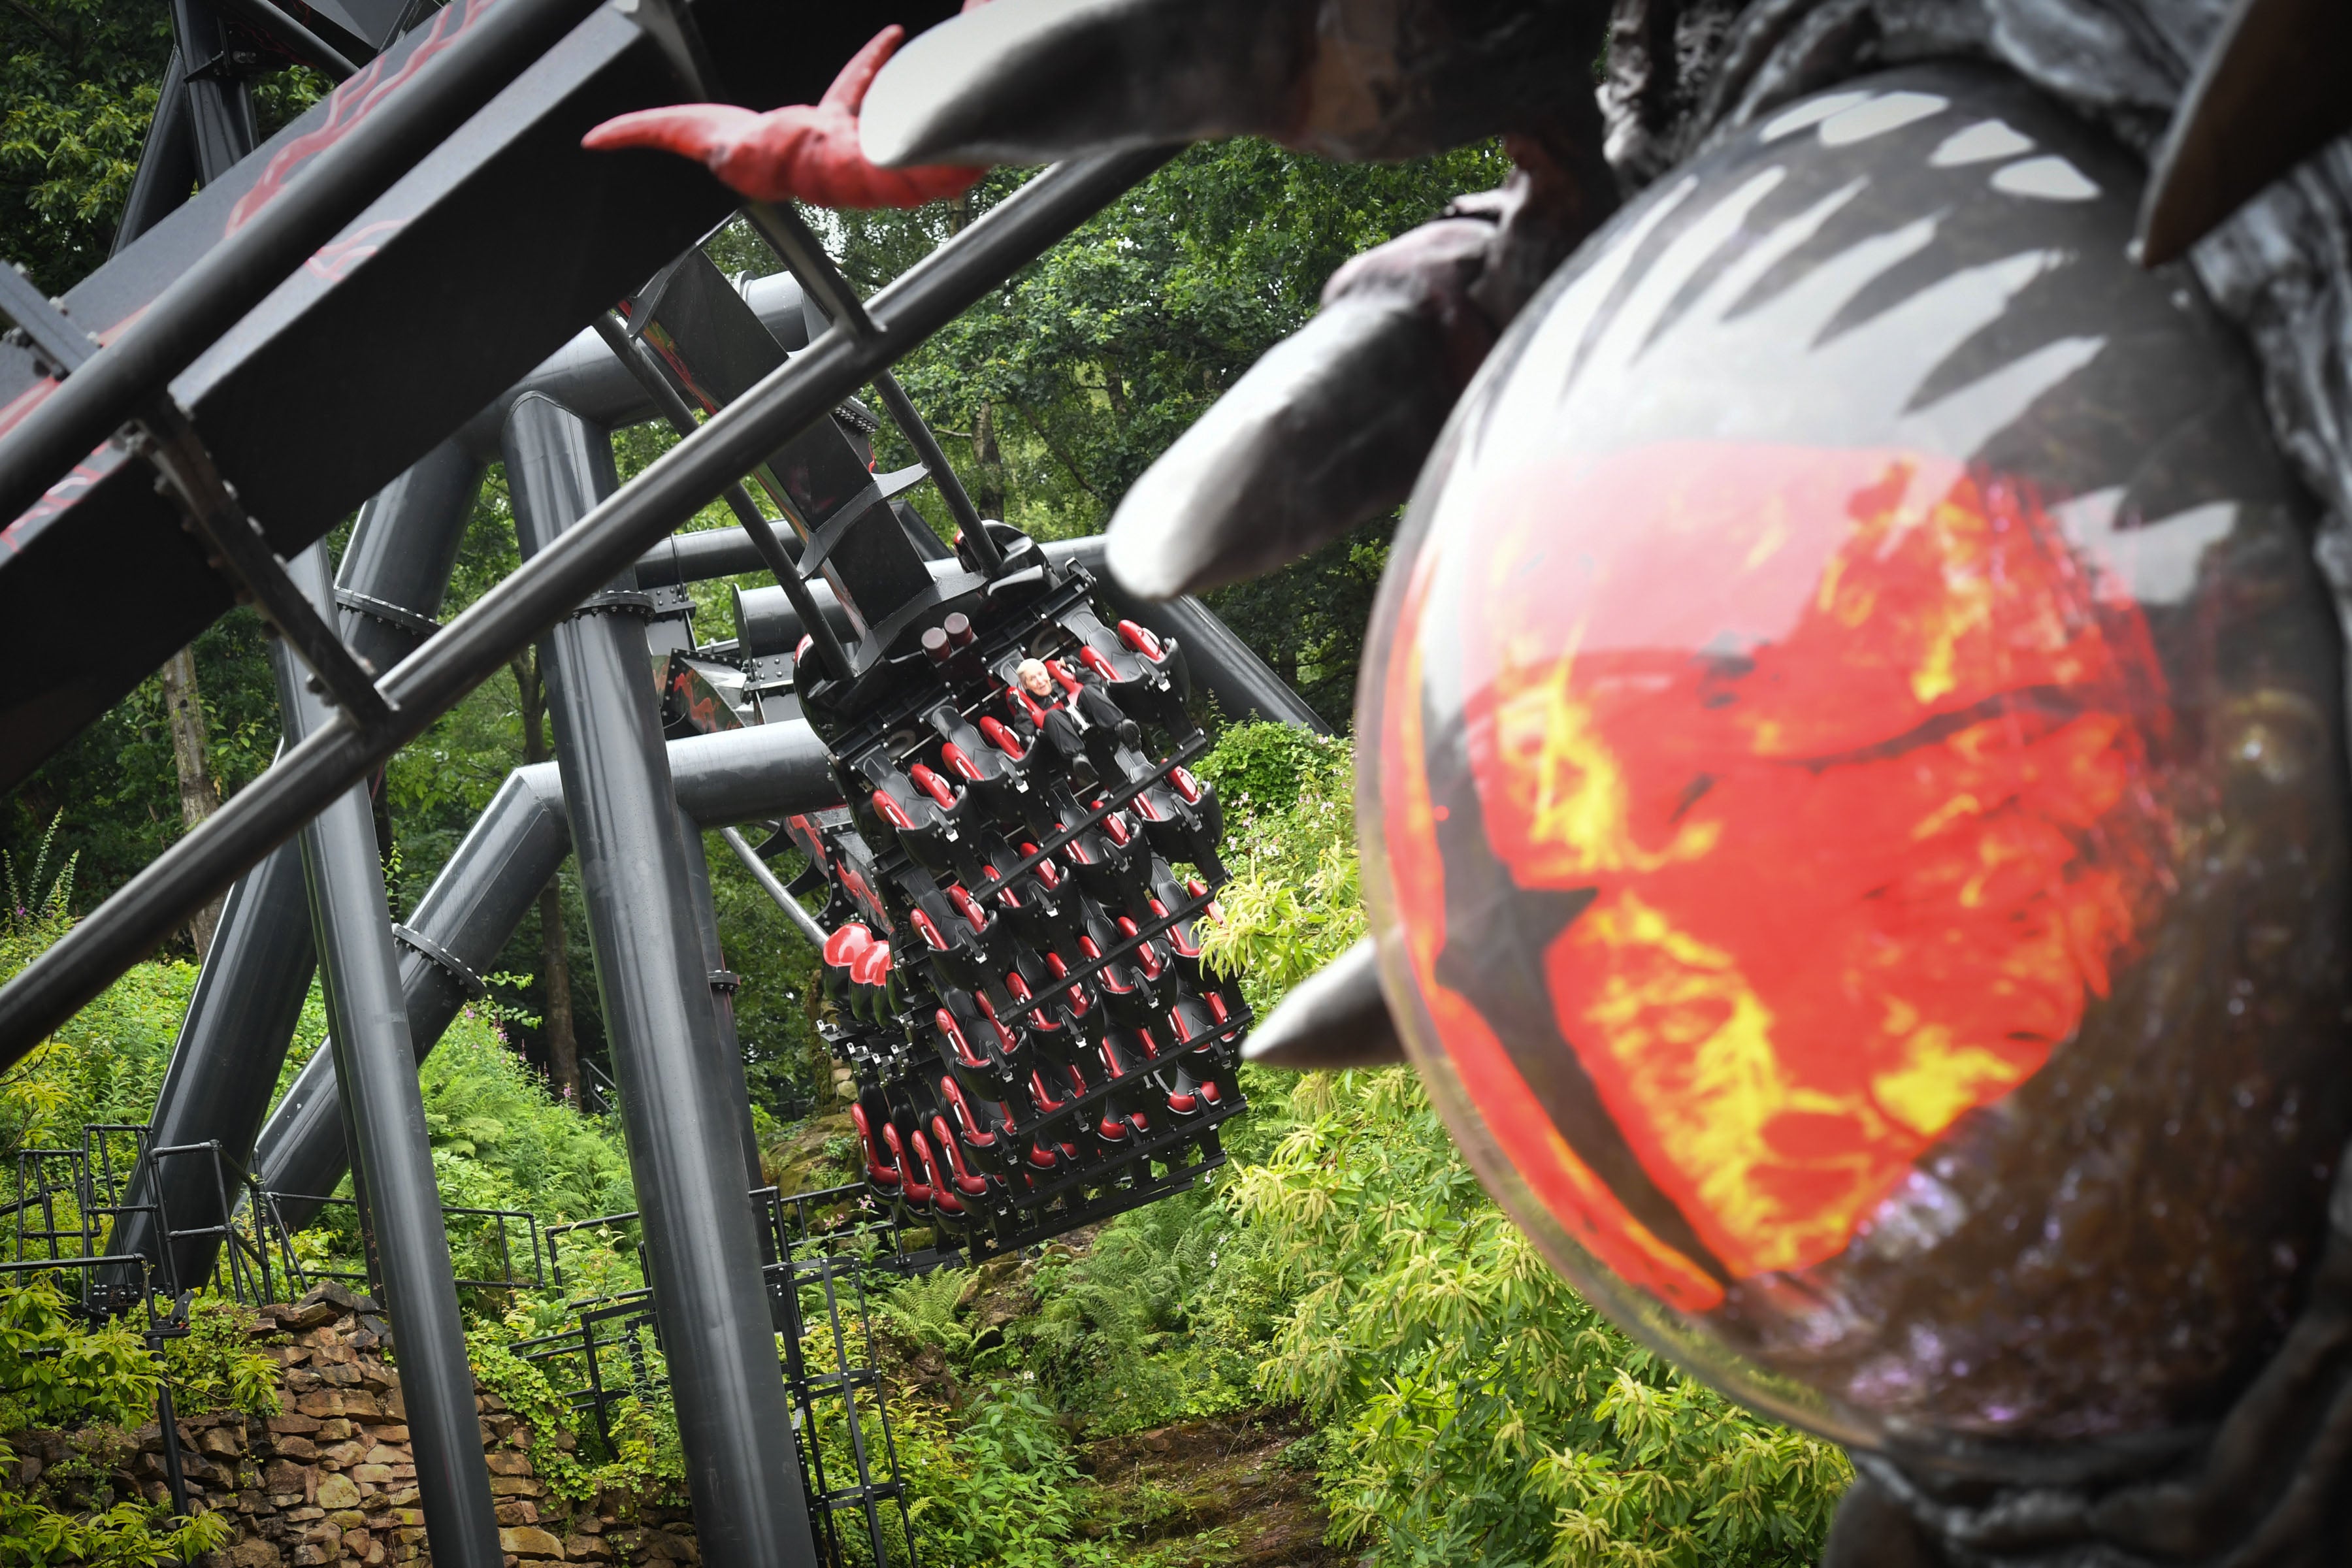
(1476, 1410)
(33, 909)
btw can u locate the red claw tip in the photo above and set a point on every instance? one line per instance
(805, 153)
(703, 131)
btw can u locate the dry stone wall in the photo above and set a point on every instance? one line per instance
(332, 1479)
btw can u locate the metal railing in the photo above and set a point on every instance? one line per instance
(64, 1207)
(509, 1226)
(826, 1242)
(822, 1247)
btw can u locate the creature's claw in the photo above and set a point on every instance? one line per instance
(1026, 81)
(1335, 1019)
(703, 131)
(1330, 429)
(1326, 431)
(2270, 92)
(806, 152)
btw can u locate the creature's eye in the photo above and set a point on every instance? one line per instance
(1858, 745)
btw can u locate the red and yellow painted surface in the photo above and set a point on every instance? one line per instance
(1855, 756)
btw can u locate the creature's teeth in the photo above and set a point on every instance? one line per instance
(1334, 1019)
(1325, 432)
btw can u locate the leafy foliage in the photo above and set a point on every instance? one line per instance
(1292, 904)
(501, 1139)
(1479, 1411)
(1482, 1412)
(645, 1462)
(1130, 1335)
(77, 89)
(1012, 1497)
(33, 909)
(213, 1366)
(106, 1062)
(56, 1372)
(127, 1535)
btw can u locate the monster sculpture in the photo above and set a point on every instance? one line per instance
(1852, 734)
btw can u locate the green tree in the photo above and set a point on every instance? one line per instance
(77, 85)
(1056, 391)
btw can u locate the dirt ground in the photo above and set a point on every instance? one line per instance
(1215, 1493)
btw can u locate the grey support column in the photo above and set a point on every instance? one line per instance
(351, 928)
(681, 1101)
(454, 933)
(233, 1041)
(722, 996)
(482, 895)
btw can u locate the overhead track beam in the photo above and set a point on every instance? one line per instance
(232, 278)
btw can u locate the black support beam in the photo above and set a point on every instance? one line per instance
(376, 1065)
(680, 1099)
(249, 997)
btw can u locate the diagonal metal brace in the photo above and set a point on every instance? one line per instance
(628, 346)
(798, 248)
(55, 338)
(167, 438)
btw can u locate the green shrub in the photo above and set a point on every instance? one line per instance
(92, 1384)
(1480, 1411)
(645, 1461)
(501, 1139)
(1014, 1497)
(1129, 1335)
(127, 1535)
(213, 1367)
(1292, 905)
(58, 1372)
(106, 1062)
(1259, 767)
